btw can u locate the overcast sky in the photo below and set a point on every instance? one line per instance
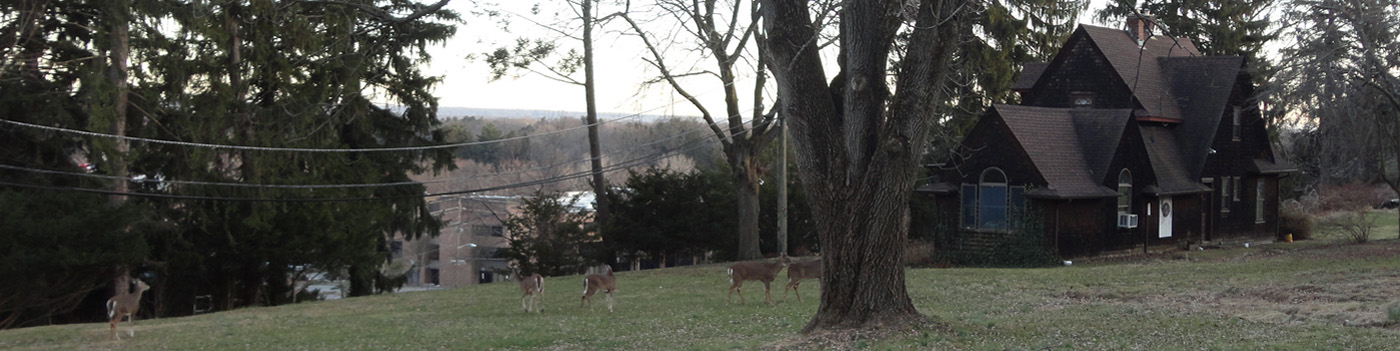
(620, 71)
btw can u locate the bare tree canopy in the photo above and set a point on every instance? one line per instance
(1343, 78)
(724, 34)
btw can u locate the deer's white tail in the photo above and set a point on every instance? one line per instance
(731, 276)
(111, 309)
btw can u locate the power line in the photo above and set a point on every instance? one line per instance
(362, 185)
(561, 178)
(265, 148)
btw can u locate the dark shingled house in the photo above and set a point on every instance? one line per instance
(1124, 140)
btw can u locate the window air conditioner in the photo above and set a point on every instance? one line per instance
(1127, 220)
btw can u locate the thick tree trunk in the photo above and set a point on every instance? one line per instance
(857, 146)
(862, 257)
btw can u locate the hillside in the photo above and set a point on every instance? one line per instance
(1313, 295)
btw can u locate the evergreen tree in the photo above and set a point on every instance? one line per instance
(310, 74)
(1002, 38)
(56, 248)
(662, 213)
(299, 74)
(549, 236)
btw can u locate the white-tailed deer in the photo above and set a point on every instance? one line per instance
(125, 304)
(799, 271)
(755, 270)
(531, 287)
(595, 282)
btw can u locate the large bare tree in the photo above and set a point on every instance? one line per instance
(1343, 72)
(858, 142)
(722, 33)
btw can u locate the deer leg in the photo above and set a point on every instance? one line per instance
(523, 306)
(794, 290)
(131, 327)
(739, 288)
(767, 296)
(608, 295)
(113, 323)
(586, 293)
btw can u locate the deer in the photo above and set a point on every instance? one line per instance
(531, 287)
(800, 271)
(125, 304)
(762, 271)
(595, 282)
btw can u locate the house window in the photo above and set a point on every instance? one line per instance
(489, 230)
(991, 199)
(989, 203)
(1235, 132)
(1082, 99)
(1125, 192)
(1259, 201)
(1235, 188)
(1224, 196)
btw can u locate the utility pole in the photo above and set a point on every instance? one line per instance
(782, 185)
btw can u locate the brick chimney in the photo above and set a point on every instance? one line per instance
(1140, 26)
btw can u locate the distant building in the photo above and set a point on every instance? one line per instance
(464, 253)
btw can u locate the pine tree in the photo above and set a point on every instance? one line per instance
(1002, 38)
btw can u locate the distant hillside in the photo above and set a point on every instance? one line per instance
(459, 112)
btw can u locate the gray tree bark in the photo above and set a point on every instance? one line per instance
(858, 144)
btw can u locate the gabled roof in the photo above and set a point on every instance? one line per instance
(1030, 72)
(1067, 169)
(1202, 86)
(1173, 176)
(1140, 68)
(1099, 131)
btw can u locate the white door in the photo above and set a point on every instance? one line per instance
(1164, 225)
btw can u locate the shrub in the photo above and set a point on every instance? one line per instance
(1023, 246)
(920, 253)
(1346, 197)
(1354, 226)
(1294, 221)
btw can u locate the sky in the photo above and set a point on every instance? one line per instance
(619, 72)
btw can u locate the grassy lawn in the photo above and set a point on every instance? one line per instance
(1309, 295)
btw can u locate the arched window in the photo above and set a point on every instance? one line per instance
(991, 199)
(1125, 191)
(990, 203)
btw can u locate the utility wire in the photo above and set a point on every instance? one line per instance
(264, 148)
(561, 178)
(367, 185)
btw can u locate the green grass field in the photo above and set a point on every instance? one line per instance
(1311, 295)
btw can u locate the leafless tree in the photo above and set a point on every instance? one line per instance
(1343, 75)
(858, 141)
(724, 33)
